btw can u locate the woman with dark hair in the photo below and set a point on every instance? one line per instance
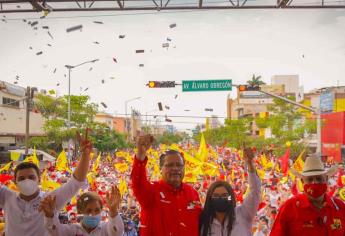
(221, 216)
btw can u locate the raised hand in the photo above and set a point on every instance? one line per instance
(47, 205)
(248, 155)
(113, 198)
(143, 144)
(85, 143)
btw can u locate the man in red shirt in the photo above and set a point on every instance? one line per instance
(313, 212)
(168, 207)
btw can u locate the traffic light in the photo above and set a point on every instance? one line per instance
(243, 88)
(161, 84)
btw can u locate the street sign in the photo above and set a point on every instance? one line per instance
(206, 85)
(326, 102)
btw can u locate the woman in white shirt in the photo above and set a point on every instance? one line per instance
(90, 205)
(221, 216)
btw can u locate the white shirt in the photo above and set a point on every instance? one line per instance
(23, 218)
(114, 227)
(244, 213)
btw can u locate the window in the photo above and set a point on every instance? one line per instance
(10, 102)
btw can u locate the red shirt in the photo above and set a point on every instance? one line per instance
(165, 211)
(299, 217)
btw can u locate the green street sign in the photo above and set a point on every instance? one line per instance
(206, 85)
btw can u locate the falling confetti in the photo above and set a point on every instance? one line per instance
(39, 53)
(172, 25)
(74, 28)
(104, 105)
(50, 35)
(98, 22)
(139, 51)
(114, 59)
(122, 36)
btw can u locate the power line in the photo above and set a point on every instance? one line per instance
(180, 116)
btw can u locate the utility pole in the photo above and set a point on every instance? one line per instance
(27, 123)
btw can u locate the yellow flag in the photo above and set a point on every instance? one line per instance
(207, 124)
(292, 176)
(91, 179)
(121, 167)
(190, 178)
(300, 186)
(33, 159)
(6, 167)
(62, 162)
(96, 163)
(109, 157)
(15, 156)
(123, 187)
(261, 173)
(47, 184)
(210, 169)
(232, 175)
(299, 163)
(202, 152)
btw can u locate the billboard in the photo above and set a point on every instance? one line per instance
(326, 102)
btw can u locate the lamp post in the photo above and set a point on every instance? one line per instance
(69, 67)
(126, 103)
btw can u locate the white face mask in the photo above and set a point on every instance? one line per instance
(27, 187)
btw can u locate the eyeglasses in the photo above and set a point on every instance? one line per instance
(223, 195)
(172, 165)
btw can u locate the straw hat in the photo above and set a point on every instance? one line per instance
(314, 166)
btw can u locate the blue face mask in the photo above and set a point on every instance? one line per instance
(91, 221)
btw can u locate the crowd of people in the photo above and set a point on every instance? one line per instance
(173, 190)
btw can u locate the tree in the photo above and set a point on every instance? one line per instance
(55, 113)
(170, 138)
(106, 139)
(255, 81)
(234, 134)
(287, 123)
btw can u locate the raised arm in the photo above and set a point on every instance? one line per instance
(83, 166)
(142, 188)
(51, 221)
(71, 188)
(251, 202)
(115, 225)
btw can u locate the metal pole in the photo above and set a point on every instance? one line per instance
(27, 123)
(69, 111)
(318, 133)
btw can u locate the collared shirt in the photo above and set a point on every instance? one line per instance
(23, 218)
(166, 211)
(114, 227)
(299, 217)
(244, 214)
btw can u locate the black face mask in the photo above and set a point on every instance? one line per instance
(221, 204)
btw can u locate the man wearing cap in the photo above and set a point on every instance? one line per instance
(168, 207)
(313, 212)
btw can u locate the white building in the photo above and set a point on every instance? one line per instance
(290, 82)
(13, 116)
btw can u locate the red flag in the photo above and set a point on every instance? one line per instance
(285, 161)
